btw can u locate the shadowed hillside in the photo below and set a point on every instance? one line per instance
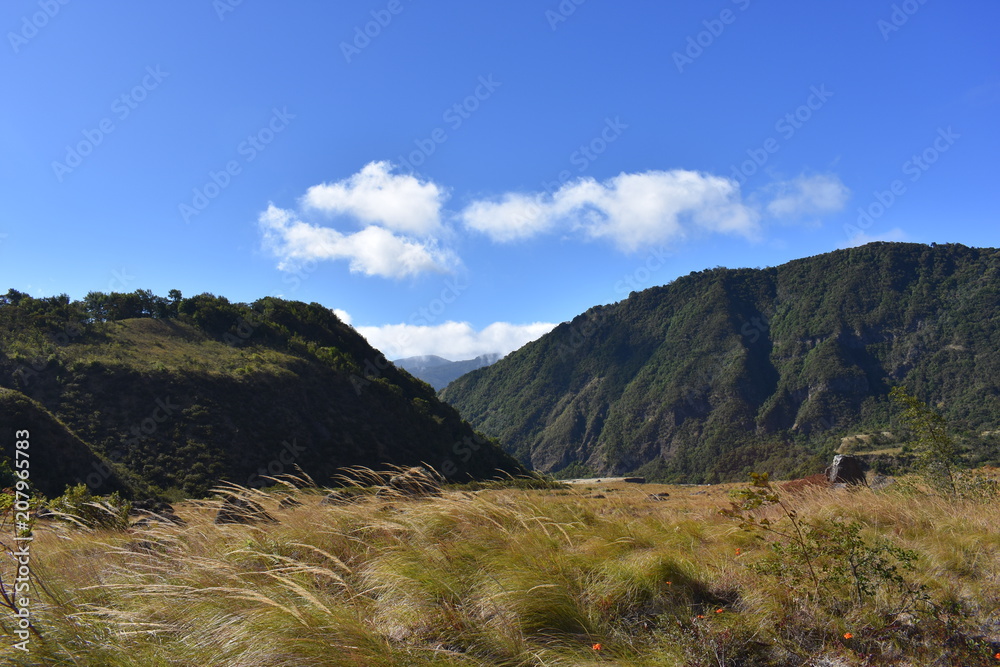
(61, 456)
(182, 393)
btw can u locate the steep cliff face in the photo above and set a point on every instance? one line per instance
(728, 370)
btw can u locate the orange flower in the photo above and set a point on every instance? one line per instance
(597, 647)
(700, 616)
(848, 635)
(997, 656)
(718, 611)
(738, 551)
(670, 583)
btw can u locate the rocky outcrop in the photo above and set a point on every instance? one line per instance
(847, 470)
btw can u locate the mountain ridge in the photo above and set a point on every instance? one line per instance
(440, 372)
(182, 393)
(728, 370)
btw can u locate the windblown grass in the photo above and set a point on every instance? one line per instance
(505, 577)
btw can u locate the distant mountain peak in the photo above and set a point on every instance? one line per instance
(440, 372)
(422, 361)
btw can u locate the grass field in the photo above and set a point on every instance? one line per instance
(589, 575)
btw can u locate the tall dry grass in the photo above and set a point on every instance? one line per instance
(504, 577)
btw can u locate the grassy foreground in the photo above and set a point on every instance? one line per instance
(585, 576)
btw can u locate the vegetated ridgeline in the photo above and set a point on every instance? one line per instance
(144, 394)
(726, 371)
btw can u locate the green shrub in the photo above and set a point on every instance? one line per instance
(79, 507)
(824, 559)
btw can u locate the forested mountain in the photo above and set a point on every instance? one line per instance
(145, 394)
(439, 372)
(724, 371)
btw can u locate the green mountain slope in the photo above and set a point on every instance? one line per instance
(725, 371)
(183, 393)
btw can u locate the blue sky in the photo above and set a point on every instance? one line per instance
(456, 177)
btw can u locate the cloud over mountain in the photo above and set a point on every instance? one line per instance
(630, 210)
(452, 340)
(375, 195)
(373, 251)
(404, 230)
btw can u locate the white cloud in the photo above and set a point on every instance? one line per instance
(373, 251)
(402, 230)
(631, 210)
(859, 239)
(452, 340)
(342, 315)
(512, 218)
(807, 195)
(635, 210)
(375, 195)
